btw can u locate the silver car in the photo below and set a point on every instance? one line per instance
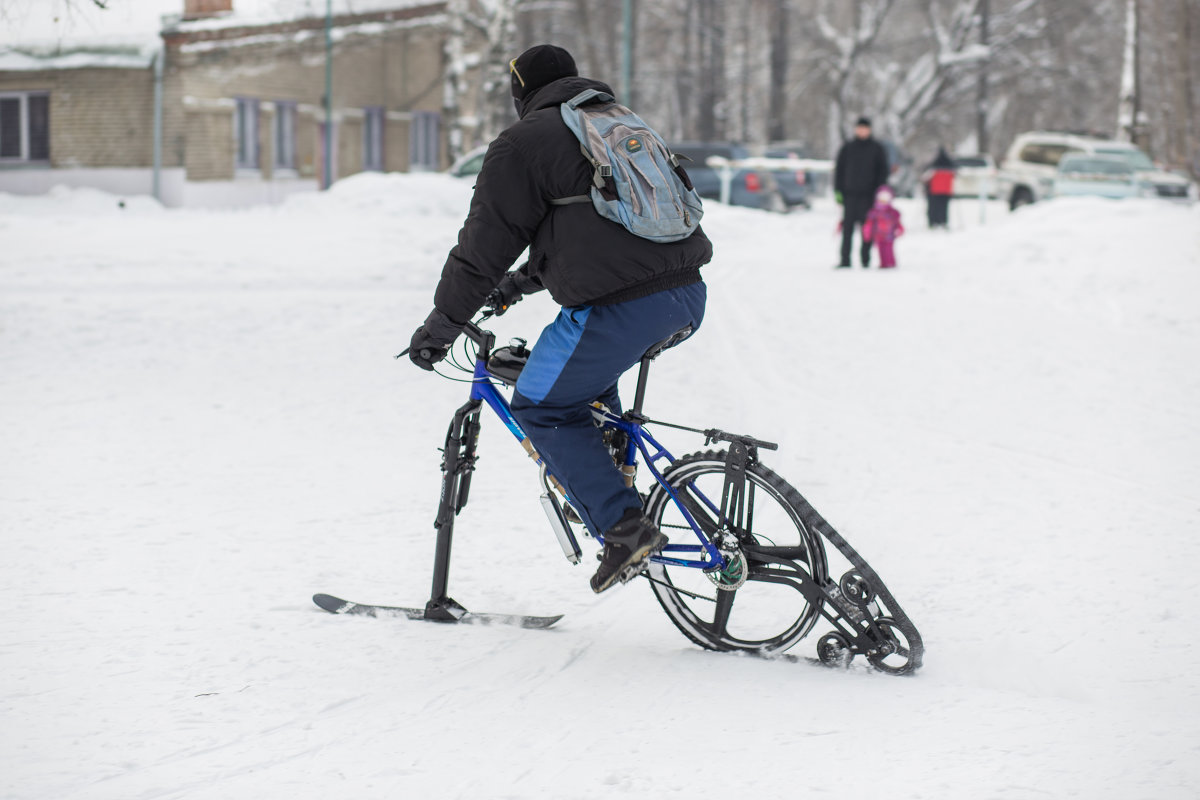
(1152, 181)
(1095, 176)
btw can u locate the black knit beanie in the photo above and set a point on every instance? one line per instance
(539, 65)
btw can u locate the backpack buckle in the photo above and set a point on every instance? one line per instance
(605, 170)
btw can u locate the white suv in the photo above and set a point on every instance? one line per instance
(1027, 173)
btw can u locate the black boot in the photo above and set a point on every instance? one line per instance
(626, 544)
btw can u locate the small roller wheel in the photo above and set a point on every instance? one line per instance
(856, 588)
(893, 654)
(834, 650)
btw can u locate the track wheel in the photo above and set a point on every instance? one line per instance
(893, 654)
(856, 589)
(834, 650)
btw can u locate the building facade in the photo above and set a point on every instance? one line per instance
(222, 112)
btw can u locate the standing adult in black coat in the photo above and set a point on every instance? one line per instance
(861, 168)
(620, 294)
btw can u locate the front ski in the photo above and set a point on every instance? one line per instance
(448, 613)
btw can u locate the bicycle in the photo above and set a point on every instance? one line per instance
(747, 568)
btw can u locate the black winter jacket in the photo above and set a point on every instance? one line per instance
(580, 257)
(862, 167)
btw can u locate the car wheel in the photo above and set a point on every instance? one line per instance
(1021, 196)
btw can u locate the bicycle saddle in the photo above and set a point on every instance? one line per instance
(672, 340)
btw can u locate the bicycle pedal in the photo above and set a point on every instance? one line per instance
(634, 570)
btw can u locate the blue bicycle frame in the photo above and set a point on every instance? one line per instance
(705, 554)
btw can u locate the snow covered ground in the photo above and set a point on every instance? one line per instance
(201, 424)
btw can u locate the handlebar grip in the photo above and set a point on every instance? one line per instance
(425, 353)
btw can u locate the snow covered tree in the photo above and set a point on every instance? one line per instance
(458, 127)
(920, 69)
(765, 70)
(481, 39)
(1170, 83)
(843, 34)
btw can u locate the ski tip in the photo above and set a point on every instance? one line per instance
(327, 602)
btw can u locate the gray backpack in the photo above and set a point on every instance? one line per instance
(637, 181)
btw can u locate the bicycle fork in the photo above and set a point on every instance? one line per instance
(458, 462)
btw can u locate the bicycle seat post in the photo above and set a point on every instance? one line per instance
(640, 395)
(651, 354)
(672, 340)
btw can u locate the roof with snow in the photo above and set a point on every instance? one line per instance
(35, 37)
(111, 56)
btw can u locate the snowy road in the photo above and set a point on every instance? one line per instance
(201, 425)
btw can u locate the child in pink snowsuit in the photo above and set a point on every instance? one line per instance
(882, 226)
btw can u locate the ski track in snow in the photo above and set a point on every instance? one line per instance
(202, 425)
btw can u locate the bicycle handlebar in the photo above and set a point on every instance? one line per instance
(471, 330)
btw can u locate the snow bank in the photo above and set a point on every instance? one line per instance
(68, 201)
(389, 195)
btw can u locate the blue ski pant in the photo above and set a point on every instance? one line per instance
(578, 359)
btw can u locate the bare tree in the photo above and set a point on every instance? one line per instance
(918, 67)
(710, 55)
(766, 70)
(498, 22)
(777, 81)
(844, 33)
(454, 51)
(1169, 67)
(480, 40)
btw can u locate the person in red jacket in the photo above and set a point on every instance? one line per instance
(939, 188)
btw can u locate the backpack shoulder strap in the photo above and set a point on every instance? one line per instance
(586, 96)
(570, 201)
(600, 171)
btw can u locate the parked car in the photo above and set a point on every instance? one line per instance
(1031, 165)
(468, 164)
(1153, 182)
(1097, 176)
(975, 176)
(794, 184)
(752, 188)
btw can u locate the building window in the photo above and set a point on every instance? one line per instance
(373, 139)
(245, 131)
(285, 136)
(24, 126)
(424, 143)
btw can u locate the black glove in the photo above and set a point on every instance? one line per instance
(432, 341)
(504, 295)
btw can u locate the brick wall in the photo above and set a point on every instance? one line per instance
(396, 64)
(98, 117)
(103, 117)
(213, 126)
